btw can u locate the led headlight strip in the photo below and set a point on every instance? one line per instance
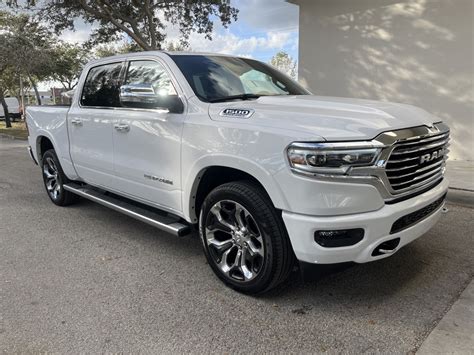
(331, 158)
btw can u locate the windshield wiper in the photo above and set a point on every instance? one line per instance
(235, 97)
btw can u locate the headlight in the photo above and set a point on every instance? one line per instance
(331, 158)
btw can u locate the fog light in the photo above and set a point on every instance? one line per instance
(338, 238)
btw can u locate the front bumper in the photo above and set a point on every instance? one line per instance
(377, 226)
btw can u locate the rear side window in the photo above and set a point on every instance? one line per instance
(102, 86)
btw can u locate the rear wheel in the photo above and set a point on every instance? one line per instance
(244, 239)
(54, 179)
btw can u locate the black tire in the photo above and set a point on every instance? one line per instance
(263, 220)
(54, 179)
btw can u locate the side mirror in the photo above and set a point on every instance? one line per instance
(144, 96)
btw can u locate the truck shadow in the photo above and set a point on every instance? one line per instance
(373, 281)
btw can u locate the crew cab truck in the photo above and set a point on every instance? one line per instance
(271, 175)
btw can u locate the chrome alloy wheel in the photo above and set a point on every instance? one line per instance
(50, 172)
(234, 240)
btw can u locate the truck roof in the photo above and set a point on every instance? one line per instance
(170, 53)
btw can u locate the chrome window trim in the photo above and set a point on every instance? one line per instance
(375, 175)
(125, 64)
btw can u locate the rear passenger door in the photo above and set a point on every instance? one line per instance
(147, 135)
(90, 124)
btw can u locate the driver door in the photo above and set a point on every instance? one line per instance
(147, 136)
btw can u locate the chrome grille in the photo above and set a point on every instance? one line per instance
(417, 162)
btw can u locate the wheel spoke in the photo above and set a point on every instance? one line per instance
(47, 174)
(50, 185)
(248, 275)
(220, 246)
(237, 261)
(216, 211)
(52, 165)
(254, 251)
(223, 263)
(238, 216)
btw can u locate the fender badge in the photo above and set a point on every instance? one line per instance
(236, 113)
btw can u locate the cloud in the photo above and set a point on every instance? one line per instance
(230, 43)
(77, 36)
(263, 28)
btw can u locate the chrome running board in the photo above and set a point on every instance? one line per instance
(161, 220)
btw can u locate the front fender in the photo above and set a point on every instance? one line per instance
(263, 176)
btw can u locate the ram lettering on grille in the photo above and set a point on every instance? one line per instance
(417, 162)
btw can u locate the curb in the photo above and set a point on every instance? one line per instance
(460, 197)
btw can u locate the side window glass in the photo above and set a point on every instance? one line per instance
(147, 85)
(102, 86)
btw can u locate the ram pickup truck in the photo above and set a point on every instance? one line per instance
(271, 176)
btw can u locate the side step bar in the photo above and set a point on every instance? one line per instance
(164, 221)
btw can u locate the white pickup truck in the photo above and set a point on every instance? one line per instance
(268, 173)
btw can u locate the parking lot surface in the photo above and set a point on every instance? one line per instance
(88, 279)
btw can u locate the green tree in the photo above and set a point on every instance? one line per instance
(30, 47)
(143, 21)
(107, 50)
(177, 47)
(283, 62)
(68, 60)
(6, 73)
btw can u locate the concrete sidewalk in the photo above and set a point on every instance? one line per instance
(460, 174)
(454, 334)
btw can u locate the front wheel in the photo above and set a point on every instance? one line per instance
(244, 238)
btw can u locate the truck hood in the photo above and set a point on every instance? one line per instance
(328, 117)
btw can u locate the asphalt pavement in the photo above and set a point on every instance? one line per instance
(88, 279)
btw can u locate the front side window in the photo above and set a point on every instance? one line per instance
(221, 78)
(102, 86)
(147, 85)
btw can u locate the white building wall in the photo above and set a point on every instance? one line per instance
(414, 51)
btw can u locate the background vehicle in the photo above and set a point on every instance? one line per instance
(269, 173)
(13, 108)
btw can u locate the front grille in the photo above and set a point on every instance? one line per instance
(417, 162)
(414, 217)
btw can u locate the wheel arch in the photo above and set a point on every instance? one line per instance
(211, 176)
(43, 143)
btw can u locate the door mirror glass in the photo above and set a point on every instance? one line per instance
(148, 85)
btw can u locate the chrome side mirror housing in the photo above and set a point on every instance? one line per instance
(143, 95)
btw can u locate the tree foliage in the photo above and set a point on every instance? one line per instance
(67, 62)
(30, 47)
(143, 21)
(31, 50)
(6, 69)
(283, 62)
(107, 50)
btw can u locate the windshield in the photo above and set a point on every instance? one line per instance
(217, 78)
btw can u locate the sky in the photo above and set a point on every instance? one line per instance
(263, 28)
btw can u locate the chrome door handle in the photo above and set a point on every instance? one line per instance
(76, 121)
(122, 127)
